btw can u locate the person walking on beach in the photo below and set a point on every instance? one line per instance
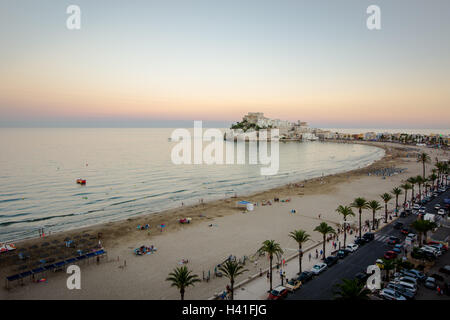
(309, 256)
(317, 254)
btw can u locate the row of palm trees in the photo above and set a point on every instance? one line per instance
(182, 278)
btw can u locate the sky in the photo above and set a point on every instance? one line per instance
(166, 63)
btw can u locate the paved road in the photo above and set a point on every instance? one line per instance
(321, 288)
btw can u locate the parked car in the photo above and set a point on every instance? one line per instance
(437, 206)
(341, 254)
(388, 255)
(389, 294)
(419, 275)
(445, 269)
(404, 231)
(293, 285)
(393, 240)
(416, 206)
(412, 236)
(318, 268)
(437, 277)
(398, 225)
(362, 276)
(331, 260)
(430, 283)
(360, 241)
(409, 286)
(278, 293)
(352, 247)
(305, 276)
(411, 280)
(369, 236)
(441, 246)
(435, 250)
(441, 212)
(397, 250)
(401, 289)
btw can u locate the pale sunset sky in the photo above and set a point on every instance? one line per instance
(150, 62)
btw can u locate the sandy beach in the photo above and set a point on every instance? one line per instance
(217, 230)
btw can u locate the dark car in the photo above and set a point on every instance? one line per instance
(341, 254)
(437, 277)
(361, 277)
(360, 241)
(331, 260)
(369, 236)
(393, 240)
(305, 276)
(445, 269)
(398, 225)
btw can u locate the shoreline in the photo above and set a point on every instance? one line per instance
(217, 230)
(203, 205)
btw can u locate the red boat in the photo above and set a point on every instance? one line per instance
(81, 181)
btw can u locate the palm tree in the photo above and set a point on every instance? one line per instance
(405, 187)
(271, 248)
(345, 211)
(300, 236)
(375, 206)
(412, 181)
(361, 204)
(232, 269)
(389, 265)
(182, 278)
(432, 178)
(424, 158)
(396, 191)
(324, 229)
(386, 198)
(420, 181)
(351, 290)
(422, 227)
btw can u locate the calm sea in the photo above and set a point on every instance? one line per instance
(129, 172)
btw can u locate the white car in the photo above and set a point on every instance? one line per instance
(352, 247)
(436, 251)
(422, 210)
(437, 206)
(441, 212)
(416, 206)
(412, 236)
(318, 268)
(391, 295)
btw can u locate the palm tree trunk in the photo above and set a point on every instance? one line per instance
(404, 203)
(324, 242)
(271, 258)
(412, 194)
(385, 212)
(396, 205)
(345, 233)
(300, 255)
(423, 170)
(373, 219)
(360, 212)
(182, 293)
(232, 289)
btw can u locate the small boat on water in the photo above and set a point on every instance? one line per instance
(81, 181)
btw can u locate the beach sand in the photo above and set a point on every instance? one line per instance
(217, 230)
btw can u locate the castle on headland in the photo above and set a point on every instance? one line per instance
(300, 131)
(255, 121)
